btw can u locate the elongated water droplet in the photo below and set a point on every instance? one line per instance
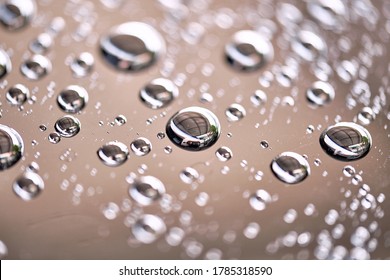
(5, 64)
(290, 167)
(36, 67)
(146, 190)
(141, 146)
(67, 126)
(18, 94)
(320, 93)
(113, 153)
(248, 51)
(72, 99)
(11, 147)
(148, 228)
(82, 65)
(28, 186)
(193, 128)
(346, 141)
(158, 93)
(224, 153)
(16, 14)
(132, 46)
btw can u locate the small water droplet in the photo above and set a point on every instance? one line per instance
(54, 137)
(175, 236)
(141, 146)
(202, 199)
(258, 98)
(248, 51)
(148, 228)
(224, 153)
(28, 186)
(349, 171)
(290, 167)
(17, 95)
(120, 120)
(72, 99)
(132, 46)
(158, 93)
(67, 126)
(160, 135)
(146, 190)
(42, 127)
(235, 112)
(82, 65)
(259, 200)
(16, 14)
(113, 153)
(320, 93)
(365, 116)
(41, 43)
(310, 129)
(3, 250)
(264, 144)
(5, 63)
(168, 149)
(251, 230)
(308, 45)
(11, 147)
(290, 216)
(346, 141)
(111, 211)
(188, 175)
(36, 67)
(193, 129)
(328, 13)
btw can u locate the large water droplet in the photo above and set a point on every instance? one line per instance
(36, 67)
(5, 64)
(148, 228)
(346, 141)
(308, 45)
(320, 93)
(72, 99)
(67, 126)
(11, 147)
(82, 65)
(290, 167)
(28, 186)
(18, 94)
(16, 14)
(146, 190)
(132, 46)
(113, 153)
(158, 93)
(141, 146)
(193, 128)
(248, 51)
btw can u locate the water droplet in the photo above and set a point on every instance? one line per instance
(360, 236)
(264, 144)
(72, 99)
(193, 129)
(224, 153)
(148, 228)
(258, 98)
(251, 230)
(28, 186)
(146, 190)
(41, 43)
(82, 65)
(67, 126)
(259, 200)
(168, 149)
(317, 162)
(202, 199)
(111, 211)
(189, 175)
(328, 13)
(235, 112)
(54, 137)
(206, 98)
(120, 120)
(308, 45)
(11, 147)
(349, 171)
(175, 236)
(18, 95)
(141, 146)
(290, 216)
(16, 14)
(36, 67)
(320, 93)
(158, 93)
(290, 167)
(5, 63)
(248, 51)
(366, 116)
(160, 135)
(132, 46)
(113, 153)
(346, 141)
(310, 129)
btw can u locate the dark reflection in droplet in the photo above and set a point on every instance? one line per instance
(28, 186)
(16, 14)
(36, 67)
(158, 93)
(320, 93)
(67, 126)
(248, 51)
(11, 147)
(113, 153)
(132, 46)
(17, 94)
(290, 167)
(72, 99)
(146, 190)
(5, 64)
(346, 141)
(193, 128)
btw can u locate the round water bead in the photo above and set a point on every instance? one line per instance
(290, 167)
(346, 141)
(158, 93)
(16, 14)
(5, 64)
(308, 45)
(320, 93)
(148, 228)
(72, 99)
(224, 153)
(235, 112)
(193, 128)
(82, 65)
(132, 46)
(113, 153)
(36, 67)
(141, 146)
(28, 186)
(248, 51)
(67, 126)
(17, 95)
(11, 147)
(146, 190)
